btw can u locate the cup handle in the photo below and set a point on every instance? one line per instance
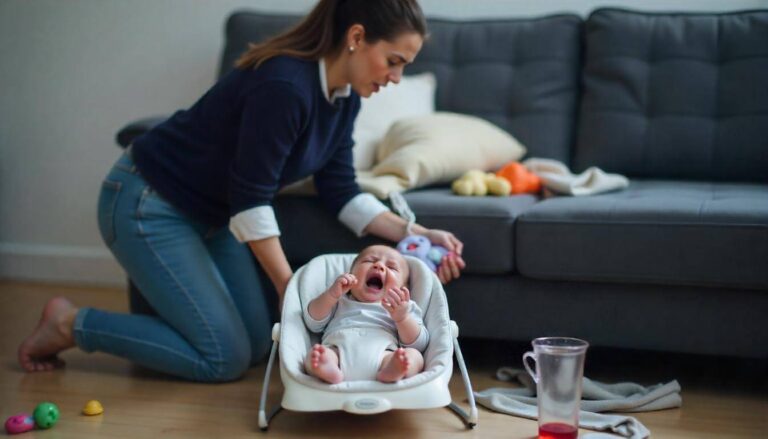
(531, 372)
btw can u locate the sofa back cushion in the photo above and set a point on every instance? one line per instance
(520, 74)
(680, 96)
(244, 27)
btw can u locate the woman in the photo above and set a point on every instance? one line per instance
(178, 206)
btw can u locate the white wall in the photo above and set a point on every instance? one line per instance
(73, 72)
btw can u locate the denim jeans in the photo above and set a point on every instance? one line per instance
(213, 317)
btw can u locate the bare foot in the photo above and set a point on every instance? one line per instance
(323, 363)
(52, 335)
(394, 368)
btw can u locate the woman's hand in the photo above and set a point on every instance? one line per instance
(452, 263)
(450, 267)
(446, 239)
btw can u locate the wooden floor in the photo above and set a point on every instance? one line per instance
(722, 398)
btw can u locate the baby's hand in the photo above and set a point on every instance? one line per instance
(342, 284)
(396, 302)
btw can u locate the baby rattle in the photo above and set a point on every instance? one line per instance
(414, 245)
(419, 247)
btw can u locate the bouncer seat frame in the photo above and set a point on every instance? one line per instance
(292, 340)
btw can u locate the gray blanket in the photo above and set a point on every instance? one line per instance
(597, 397)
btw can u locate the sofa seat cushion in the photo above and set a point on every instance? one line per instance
(663, 232)
(484, 224)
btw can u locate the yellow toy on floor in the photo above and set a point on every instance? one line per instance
(479, 183)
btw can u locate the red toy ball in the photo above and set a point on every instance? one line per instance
(20, 423)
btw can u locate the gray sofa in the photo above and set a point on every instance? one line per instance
(676, 102)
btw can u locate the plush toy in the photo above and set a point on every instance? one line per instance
(520, 178)
(420, 247)
(480, 183)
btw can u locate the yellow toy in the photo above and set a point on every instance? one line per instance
(479, 183)
(93, 408)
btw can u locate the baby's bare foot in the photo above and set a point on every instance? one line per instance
(52, 335)
(324, 364)
(394, 368)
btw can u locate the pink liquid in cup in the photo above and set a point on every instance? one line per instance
(556, 430)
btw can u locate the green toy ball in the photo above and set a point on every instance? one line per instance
(46, 414)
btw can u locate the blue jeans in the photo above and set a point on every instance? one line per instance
(213, 317)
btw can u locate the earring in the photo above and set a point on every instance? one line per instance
(351, 49)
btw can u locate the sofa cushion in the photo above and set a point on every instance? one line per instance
(484, 224)
(432, 149)
(521, 75)
(675, 95)
(664, 232)
(413, 96)
(245, 27)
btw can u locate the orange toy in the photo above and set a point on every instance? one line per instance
(522, 180)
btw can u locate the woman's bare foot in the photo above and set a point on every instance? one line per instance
(322, 362)
(52, 335)
(395, 367)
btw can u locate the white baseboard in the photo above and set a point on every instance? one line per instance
(59, 263)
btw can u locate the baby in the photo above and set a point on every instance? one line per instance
(371, 328)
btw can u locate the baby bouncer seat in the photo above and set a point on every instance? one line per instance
(304, 393)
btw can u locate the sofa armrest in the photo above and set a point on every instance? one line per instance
(136, 128)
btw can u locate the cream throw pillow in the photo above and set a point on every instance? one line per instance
(437, 148)
(413, 96)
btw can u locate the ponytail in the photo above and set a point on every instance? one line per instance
(322, 32)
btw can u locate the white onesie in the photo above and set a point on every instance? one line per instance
(363, 332)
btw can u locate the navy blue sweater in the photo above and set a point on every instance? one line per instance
(252, 133)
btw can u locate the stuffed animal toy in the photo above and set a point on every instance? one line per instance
(520, 178)
(480, 183)
(420, 247)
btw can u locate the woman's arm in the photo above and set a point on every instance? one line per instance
(389, 226)
(270, 255)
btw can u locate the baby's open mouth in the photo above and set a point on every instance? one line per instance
(374, 281)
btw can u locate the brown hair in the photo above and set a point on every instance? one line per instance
(323, 30)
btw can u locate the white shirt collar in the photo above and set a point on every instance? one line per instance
(343, 92)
